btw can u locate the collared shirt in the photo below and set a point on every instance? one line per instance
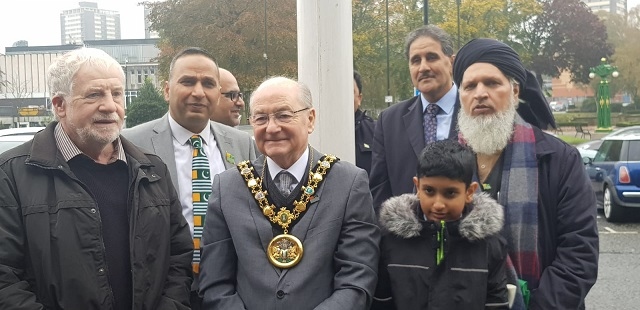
(297, 169)
(183, 155)
(445, 116)
(69, 149)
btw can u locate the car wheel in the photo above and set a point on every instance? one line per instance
(612, 211)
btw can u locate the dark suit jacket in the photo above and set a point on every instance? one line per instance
(397, 143)
(338, 231)
(365, 126)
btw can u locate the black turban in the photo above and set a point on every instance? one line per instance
(534, 108)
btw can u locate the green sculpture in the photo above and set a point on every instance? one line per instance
(603, 94)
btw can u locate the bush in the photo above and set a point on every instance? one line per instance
(616, 107)
(589, 105)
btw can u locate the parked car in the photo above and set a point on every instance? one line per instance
(12, 137)
(615, 176)
(20, 131)
(595, 144)
(11, 141)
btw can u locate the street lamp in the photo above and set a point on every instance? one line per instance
(426, 12)
(126, 82)
(458, 11)
(264, 55)
(603, 94)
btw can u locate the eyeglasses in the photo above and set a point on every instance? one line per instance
(281, 117)
(233, 95)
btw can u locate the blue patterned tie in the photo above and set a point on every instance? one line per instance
(430, 123)
(201, 189)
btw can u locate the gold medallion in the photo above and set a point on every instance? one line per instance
(285, 251)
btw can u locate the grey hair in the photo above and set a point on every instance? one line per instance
(433, 32)
(61, 72)
(304, 93)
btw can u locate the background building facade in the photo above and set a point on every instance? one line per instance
(88, 23)
(611, 6)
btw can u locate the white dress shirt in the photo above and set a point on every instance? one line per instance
(183, 154)
(297, 169)
(445, 116)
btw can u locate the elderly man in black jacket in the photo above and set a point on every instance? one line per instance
(550, 208)
(364, 127)
(88, 220)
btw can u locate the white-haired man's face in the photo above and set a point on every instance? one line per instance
(489, 101)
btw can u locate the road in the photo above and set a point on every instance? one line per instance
(618, 284)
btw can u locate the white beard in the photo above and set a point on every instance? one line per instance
(488, 134)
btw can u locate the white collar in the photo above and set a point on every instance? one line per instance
(183, 135)
(297, 169)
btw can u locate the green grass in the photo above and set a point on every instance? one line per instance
(572, 140)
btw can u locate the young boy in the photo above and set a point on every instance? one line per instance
(441, 247)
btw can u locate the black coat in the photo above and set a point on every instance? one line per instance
(364, 139)
(397, 143)
(51, 250)
(567, 231)
(472, 274)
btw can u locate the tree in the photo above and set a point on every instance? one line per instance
(624, 35)
(567, 36)
(233, 31)
(149, 105)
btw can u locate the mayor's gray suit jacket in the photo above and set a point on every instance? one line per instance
(339, 235)
(156, 137)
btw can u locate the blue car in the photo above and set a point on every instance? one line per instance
(615, 176)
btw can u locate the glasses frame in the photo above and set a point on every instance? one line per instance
(252, 121)
(237, 94)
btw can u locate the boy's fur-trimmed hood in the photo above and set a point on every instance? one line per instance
(399, 216)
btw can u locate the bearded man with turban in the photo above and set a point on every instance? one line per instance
(550, 208)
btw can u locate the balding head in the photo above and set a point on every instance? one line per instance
(229, 109)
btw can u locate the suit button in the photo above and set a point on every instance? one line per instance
(280, 294)
(101, 271)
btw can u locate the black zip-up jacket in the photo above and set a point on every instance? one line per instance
(51, 250)
(471, 274)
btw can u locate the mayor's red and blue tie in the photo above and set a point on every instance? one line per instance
(201, 190)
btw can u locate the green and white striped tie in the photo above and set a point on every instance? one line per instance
(201, 190)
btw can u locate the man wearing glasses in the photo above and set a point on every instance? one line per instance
(229, 108)
(293, 229)
(193, 147)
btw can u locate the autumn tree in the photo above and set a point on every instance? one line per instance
(624, 35)
(567, 36)
(147, 106)
(233, 31)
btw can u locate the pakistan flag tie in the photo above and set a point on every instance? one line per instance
(201, 189)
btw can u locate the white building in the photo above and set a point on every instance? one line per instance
(611, 6)
(88, 23)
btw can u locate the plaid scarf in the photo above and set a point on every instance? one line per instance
(519, 196)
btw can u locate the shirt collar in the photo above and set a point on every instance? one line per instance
(69, 149)
(183, 135)
(297, 169)
(446, 103)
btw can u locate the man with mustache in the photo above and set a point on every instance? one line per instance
(194, 148)
(228, 110)
(550, 208)
(403, 130)
(88, 220)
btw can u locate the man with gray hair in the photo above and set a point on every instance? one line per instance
(88, 220)
(405, 128)
(295, 228)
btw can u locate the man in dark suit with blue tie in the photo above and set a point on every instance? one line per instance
(405, 128)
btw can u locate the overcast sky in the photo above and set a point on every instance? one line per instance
(38, 21)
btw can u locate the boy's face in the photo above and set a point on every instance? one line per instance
(442, 198)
